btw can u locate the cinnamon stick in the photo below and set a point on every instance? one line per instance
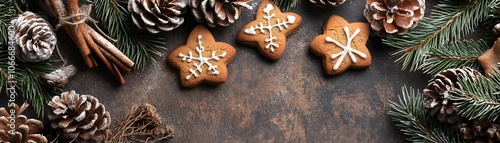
(117, 62)
(108, 46)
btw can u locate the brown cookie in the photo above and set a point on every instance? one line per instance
(342, 45)
(269, 30)
(202, 59)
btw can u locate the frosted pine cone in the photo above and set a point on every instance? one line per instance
(322, 3)
(157, 15)
(35, 39)
(59, 77)
(218, 12)
(25, 130)
(394, 16)
(438, 92)
(81, 118)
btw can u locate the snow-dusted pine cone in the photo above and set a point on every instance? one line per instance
(157, 15)
(394, 16)
(438, 92)
(218, 12)
(59, 77)
(25, 130)
(79, 117)
(322, 3)
(35, 39)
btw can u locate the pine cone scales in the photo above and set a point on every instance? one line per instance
(322, 3)
(79, 117)
(394, 16)
(25, 130)
(218, 12)
(157, 15)
(34, 37)
(480, 131)
(438, 92)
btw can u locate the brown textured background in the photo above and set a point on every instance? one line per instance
(290, 100)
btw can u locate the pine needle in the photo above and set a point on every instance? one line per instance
(139, 46)
(8, 13)
(454, 55)
(413, 120)
(451, 20)
(286, 5)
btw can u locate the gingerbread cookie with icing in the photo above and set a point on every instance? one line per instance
(342, 45)
(269, 30)
(202, 59)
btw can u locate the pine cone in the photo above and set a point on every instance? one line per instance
(322, 3)
(25, 130)
(34, 37)
(218, 12)
(438, 92)
(157, 15)
(496, 30)
(394, 16)
(79, 117)
(59, 77)
(480, 131)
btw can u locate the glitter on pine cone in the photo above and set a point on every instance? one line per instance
(218, 12)
(438, 92)
(79, 117)
(25, 130)
(394, 16)
(34, 38)
(157, 15)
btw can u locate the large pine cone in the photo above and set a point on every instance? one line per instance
(218, 12)
(157, 15)
(25, 130)
(322, 3)
(79, 117)
(438, 92)
(394, 16)
(480, 131)
(35, 39)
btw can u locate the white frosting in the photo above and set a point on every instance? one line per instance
(202, 60)
(346, 49)
(262, 28)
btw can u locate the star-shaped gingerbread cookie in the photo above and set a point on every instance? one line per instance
(342, 45)
(269, 30)
(202, 59)
(490, 59)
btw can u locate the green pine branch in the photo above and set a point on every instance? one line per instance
(139, 46)
(286, 5)
(454, 55)
(450, 20)
(8, 12)
(479, 98)
(413, 120)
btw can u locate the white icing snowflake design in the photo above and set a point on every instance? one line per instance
(280, 24)
(203, 60)
(346, 49)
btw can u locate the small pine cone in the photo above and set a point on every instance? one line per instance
(496, 30)
(59, 77)
(394, 16)
(438, 92)
(35, 39)
(218, 12)
(157, 15)
(79, 117)
(25, 130)
(322, 3)
(480, 131)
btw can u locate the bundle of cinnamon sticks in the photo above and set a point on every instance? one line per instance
(88, 40)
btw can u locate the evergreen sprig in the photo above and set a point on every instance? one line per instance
(139, 46)
(454, 55)
(8, 12)
(451, 20)
(479, 98)
(286, 5)
(413, 120)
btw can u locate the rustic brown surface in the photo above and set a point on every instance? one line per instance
(290, 100)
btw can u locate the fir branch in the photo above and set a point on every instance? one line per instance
(139, 46)
(286, 5)
(454, 55)
(450, 21)
(412, 119)
(478, 98)
(8, 13)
